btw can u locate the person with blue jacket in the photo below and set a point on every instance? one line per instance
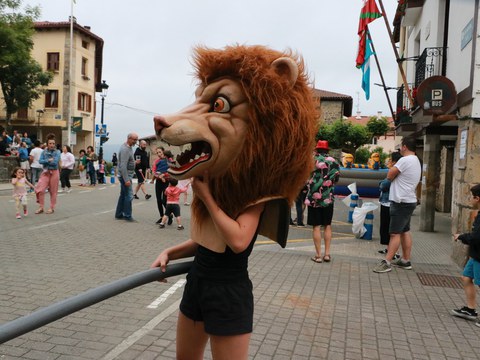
(50, 176)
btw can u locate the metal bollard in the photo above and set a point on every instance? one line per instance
(369, 226)
(112, 176)
(353, 205)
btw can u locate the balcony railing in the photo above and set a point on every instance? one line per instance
(430, 63)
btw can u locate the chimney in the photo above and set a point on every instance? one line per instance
(358, 117)
(379, 114)
(87, 27)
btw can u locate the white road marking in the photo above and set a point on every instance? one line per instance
(49, 224)
(84, 191)
(132, 339)
(105, 212)
(102, 188)
(161, 299)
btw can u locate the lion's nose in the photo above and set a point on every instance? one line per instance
(160, 123)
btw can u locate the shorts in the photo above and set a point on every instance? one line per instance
(140, 176)
(225, 307)
(400, 215)
(172, 209)
(320, 215)
(472, 270)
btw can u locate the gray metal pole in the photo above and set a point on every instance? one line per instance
(68, 306)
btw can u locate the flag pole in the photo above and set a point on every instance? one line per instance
(381, 74)
(70, 79)
(400, 67)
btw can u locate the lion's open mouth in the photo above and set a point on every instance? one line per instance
(192, 155)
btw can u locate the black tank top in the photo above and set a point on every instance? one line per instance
(226, 266)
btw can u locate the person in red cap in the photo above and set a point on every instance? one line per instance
(320, 199)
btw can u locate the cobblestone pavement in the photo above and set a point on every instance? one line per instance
(303, 310)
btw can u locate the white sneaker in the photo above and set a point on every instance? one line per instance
(61, 191)
(69, 190)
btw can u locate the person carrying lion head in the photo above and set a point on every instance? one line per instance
(247, 141)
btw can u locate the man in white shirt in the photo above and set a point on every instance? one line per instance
(36, 167)
(405, 176)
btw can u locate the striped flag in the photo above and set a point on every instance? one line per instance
(368, 14)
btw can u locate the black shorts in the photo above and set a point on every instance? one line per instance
(400, 215)
(320, 215)
(140, 176)
(172, 209)
(225, 307)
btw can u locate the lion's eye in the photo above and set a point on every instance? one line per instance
(221, 105)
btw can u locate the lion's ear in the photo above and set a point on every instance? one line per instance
(286, 68)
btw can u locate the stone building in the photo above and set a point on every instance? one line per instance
(438, 45)
(332, 106)
(70, 94)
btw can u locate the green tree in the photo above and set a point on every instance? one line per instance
(378, 126)
(344, 135)
(21, 77)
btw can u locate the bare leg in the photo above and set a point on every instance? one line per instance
(230, 347)
(317, 240)
(406, 240)
(327, 235)
(136, 189)
(191, 338)
(142, 187)
(470, 292)
(393, 246)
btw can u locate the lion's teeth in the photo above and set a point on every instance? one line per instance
(197, 157)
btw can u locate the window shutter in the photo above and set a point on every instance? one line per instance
(79, 107)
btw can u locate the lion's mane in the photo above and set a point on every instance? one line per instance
(276, 158)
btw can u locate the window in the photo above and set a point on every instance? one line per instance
(85, 44)
(53, 61)
(51, 99)
(84, 102)
(84, 66)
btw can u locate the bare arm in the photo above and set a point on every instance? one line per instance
(237, 233)
(29, 183)
(393, 173)
(183, 250)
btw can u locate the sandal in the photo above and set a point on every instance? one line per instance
(317, 259)
(39, 211)
(327, 258)
(50, 211)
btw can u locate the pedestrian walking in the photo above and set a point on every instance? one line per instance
(160, 175)
(172, 193)
(320, 199)
(92, 165)
(82, 167)
(405, 176)
(50, 159)
(35, 166)
(126, 168)
(20, 184)
(471, 272)
(142, 163)
(67, 162)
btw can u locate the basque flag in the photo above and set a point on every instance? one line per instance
(368, 14)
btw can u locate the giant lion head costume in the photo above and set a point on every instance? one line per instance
(252, 126)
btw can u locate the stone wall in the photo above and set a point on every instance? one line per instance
(465, 174)
(444, 192)
(331, 111)
(7, 164)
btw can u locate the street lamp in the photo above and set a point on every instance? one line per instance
(103, 95)
(39, 115)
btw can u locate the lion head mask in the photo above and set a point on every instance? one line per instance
(252, 126)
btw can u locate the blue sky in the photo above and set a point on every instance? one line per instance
(146, 59)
